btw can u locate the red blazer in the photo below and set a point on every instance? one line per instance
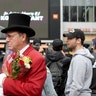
(32, 82)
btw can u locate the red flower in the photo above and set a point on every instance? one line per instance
(21, 63)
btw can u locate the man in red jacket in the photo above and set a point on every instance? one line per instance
(24, 69)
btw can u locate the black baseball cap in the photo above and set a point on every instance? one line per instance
(75, 33)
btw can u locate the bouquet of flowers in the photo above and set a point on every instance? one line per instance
(16, 66)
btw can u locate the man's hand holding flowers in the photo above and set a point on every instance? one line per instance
(16, 66)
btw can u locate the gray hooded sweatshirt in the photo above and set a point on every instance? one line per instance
(80, 74)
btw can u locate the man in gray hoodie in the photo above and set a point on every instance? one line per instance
(80, 70)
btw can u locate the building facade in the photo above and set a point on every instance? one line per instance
(79, 14)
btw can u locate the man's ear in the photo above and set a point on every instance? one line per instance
(24, 36)
(78, 40)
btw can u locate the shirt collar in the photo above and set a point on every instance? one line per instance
(21, 51)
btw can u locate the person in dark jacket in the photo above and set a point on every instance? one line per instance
(93, 84)
(57, 54)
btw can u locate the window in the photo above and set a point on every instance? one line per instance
(79, 10)
(66, 13)
(73, 13)
(81, 13)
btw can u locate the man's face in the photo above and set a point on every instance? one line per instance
(71, 43)
(14, 40)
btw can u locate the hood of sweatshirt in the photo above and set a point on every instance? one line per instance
(54, 55)
(85, 52)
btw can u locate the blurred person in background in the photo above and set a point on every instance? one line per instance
(39, 46)
(2, 47)
(94, 48)
(93, 51)
(37, 43)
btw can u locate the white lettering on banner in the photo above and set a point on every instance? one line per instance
(35, 16)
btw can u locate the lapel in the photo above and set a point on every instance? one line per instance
(27, 51)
